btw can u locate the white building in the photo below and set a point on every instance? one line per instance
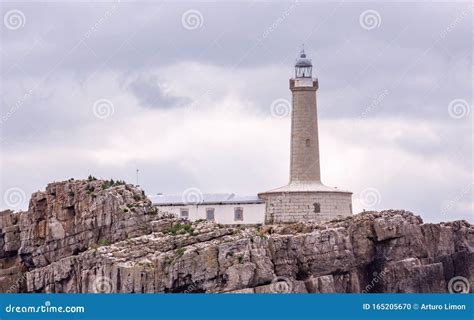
(222, 208)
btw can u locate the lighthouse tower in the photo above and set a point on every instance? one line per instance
(304, 160)
(305, 197)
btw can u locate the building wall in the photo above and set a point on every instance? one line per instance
(254, 213)
(299, 206)
(304, 155)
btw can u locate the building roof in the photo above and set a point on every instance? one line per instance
(306, 187)
(207, 198)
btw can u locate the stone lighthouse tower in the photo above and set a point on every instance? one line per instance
(305, 197)
(304, 160)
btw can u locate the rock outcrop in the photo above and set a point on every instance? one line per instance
(100, 236)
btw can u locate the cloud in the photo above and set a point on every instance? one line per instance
(192, 108)
(227, 145)
(153, 93)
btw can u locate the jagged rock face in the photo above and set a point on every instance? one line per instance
(69, 218)
(391, 251)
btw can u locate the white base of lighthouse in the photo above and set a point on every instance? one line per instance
(306, 201)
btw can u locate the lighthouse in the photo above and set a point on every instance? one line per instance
(304, 159)
(305, 197)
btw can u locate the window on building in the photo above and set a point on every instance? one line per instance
(184, 213)
(317, 207)
(308, 142)
(210, 214)
(239, 214)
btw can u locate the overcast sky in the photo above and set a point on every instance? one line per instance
(195, 95)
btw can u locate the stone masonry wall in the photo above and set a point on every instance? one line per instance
(299, 206)
(304, 160)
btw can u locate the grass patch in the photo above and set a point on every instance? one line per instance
(103, 242)
(179, 252)
(90, 189)
(138, 197)
(182, 228)
(111, 183)
(153, 211)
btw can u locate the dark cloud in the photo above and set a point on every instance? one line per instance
(153, 93)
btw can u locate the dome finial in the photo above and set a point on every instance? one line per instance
(302, 54)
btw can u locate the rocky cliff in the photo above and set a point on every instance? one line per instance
(104, 236)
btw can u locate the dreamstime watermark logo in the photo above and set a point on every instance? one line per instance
(455, 22)
(14, 197)
(18, 104)
(280, 108)
(47, 307)
(15, 287)
(370, 19)
(281, 285)
(101, 20)
(370, 197)
(102, 285)
(192, 19)
(375, 103)
(279, 20)
(192, 196)
(103, 108)
(459, 108)
(193, 286)
(14, 19)
(377, 277)
(458, 285)
(451, 204)
(279, 199)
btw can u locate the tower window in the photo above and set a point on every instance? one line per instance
(184, 213)
(317, 207)
(238, 214)
(210, 214)
(308, 142)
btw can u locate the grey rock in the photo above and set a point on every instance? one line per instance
(78, 236)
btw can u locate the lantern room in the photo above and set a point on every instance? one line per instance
(303, 66)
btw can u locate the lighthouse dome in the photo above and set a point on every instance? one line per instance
(302, 61)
